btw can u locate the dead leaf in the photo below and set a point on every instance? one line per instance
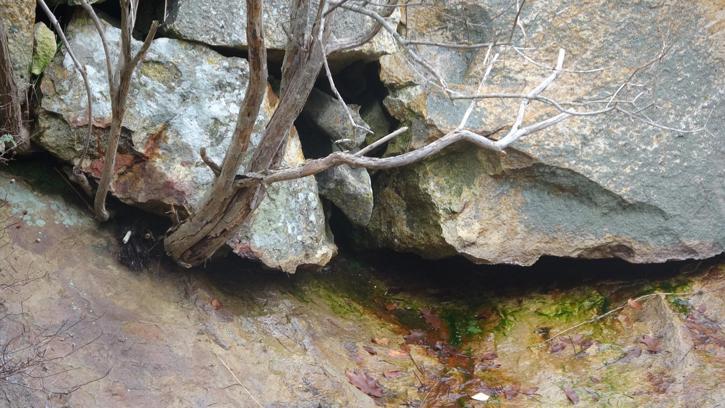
(634, 304)
(660, 382)
(571, 395)
(586, 343)
(397, 354)
(489, 355)
(511, 391)
(392, 373)
(370, 350)
(435, 322)
(557, 347)
(382, 341)
(216, 303)
(415, 337)
(652, 344)
(365, 383)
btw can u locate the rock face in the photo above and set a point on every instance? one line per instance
(349, 189)
(179, 338)
(18, 16)
(190, 20)
(590, 187)
(182, 98)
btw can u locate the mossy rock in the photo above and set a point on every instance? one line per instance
(44, 48)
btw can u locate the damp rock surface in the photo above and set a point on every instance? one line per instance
(381, 332)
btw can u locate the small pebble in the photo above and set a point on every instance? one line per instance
(37, 239)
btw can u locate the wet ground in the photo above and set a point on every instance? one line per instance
(371, 329)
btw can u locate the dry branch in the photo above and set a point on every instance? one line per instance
(11, 117)
(119, 83)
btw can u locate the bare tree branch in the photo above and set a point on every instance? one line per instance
(119, 83)
(82, 71)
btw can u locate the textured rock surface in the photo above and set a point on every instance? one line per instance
(328, 114)
(223, 23)
(589, 187)
(162, 337)
(44, 48)
(184, 97)
(19, 17)
(349, 189)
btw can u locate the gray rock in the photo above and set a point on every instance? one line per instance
(595, 187)
(328, 114)
(350, 190)
(18, 17)
(374, 115)
(223, 23)
(182, 98)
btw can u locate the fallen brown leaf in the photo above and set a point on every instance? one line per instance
(571, 395)
(652, 344)
(397, 354)
(415, 337)
(383, 341)
(489, 355)
(435, 322)
(365, 383)
(634, 304)
(392, 373)
(370, 350)
(557, 347)
(511, 391)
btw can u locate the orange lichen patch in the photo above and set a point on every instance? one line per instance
(142, 181)
(95, 168)
(153, 143)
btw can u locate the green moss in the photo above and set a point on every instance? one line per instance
(44, 50)
(462, 325)
(507, 319)
(575, 307)
(680, 305)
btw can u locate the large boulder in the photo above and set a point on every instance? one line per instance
(590, 187)
(190, 20)
(183, 97)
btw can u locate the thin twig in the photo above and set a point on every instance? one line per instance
(238, 381)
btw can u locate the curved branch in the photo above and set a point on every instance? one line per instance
(81, 70)
(354, 42)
